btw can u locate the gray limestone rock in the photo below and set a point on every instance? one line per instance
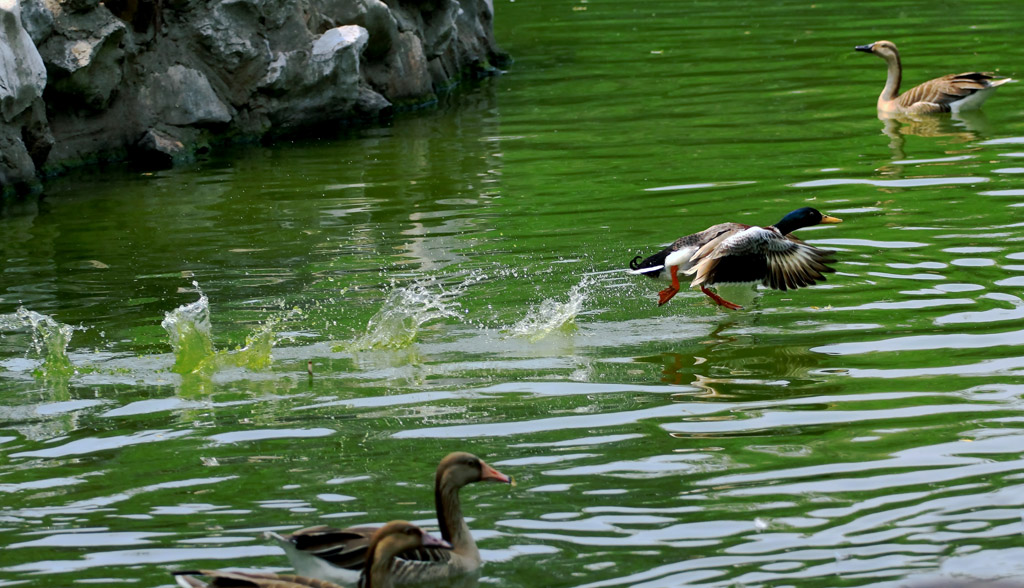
(84, 58)
(182, 97)
(319, 81)
(37, 18)
(90, 80)
(159, 149)
(23, 130)
(22, 74)
(372, 15)
(230, 31)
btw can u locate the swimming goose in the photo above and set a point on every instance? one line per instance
(390, 540)
(338, 554)
(952, 93)
(733, 252)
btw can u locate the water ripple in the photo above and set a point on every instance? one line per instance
(906, 183)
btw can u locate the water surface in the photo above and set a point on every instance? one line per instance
(455, 281)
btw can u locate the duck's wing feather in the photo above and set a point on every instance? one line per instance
(937, 95)
(708, 235)
(761, 255)
(653, 265)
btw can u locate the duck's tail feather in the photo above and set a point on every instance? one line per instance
(651, 266)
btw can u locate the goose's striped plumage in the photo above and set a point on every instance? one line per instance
(337, 555)
(951, 93)
(224, 579)
(738, 253)
(379, 572)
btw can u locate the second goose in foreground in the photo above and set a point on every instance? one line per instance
(337, 555)
(390, 540)
(732, 252)
(952, 93)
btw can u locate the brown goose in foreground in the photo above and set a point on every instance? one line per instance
(952, 93)
(338, 555)
(737, 253)
(390, 540)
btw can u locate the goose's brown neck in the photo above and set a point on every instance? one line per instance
(452, 524)
(378, 575)
(893, 79)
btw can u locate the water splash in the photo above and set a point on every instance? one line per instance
(552, 315)
(407, 309)
(189, 330)
(254, 355)
(50, 341)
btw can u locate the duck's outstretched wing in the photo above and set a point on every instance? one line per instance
(760, 255)
(939, 94)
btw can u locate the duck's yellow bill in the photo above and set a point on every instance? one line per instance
(830, 219)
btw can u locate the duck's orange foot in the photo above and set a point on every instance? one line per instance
(666, 295)
(721, 301)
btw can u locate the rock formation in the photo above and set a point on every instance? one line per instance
(83, 81)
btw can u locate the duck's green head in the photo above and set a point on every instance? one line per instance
(803, 217)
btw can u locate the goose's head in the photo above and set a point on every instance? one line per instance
(460, 468)
(398, 536)
(884, 49)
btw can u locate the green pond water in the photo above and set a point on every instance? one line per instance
(455, 281)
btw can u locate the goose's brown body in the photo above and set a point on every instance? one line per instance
(386, 543)
(950, 93)
(338, 554)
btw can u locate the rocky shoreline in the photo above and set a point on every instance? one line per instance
(155, 81)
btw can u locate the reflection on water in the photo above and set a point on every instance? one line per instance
(455, 282)
(956, 132)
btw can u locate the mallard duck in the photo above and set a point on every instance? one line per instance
(385, 544)
(733, 252)
(339, 554)
(952, 93)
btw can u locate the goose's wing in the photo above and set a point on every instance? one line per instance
(937, 95)
(345, 548)
(760, 255)
(425, 565)
(224, 579)
(427, 555)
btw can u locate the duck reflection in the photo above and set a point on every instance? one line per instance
(733, 359)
